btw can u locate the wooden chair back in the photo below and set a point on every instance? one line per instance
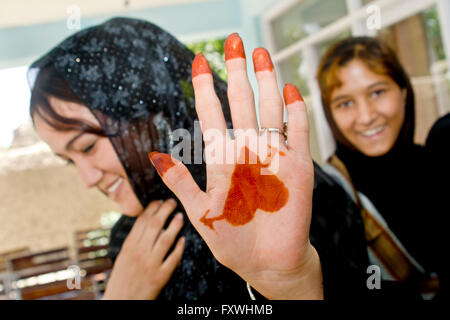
(40, 263)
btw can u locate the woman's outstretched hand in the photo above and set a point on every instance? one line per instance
(255, 214)
(140, 271)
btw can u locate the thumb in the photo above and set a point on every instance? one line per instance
(178, 179)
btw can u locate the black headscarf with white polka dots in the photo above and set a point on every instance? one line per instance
(136, 80)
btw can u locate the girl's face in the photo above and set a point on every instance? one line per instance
(93, 156)
(369, 108)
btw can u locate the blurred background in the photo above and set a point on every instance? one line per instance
(49, 221)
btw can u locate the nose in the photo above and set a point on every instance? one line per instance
(366, 112)
(90, 175)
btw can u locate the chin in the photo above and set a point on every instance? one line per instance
(376, 151)
(131, 210)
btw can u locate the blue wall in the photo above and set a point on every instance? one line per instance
(21, 45)
(214, 18)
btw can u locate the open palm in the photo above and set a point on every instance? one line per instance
(255, 214)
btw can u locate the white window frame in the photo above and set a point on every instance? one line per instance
(391, 12)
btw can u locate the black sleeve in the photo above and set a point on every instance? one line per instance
(439, 135)
(118, 234)
(337, 233)
(438, 150)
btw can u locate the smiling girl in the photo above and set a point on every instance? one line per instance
(369, 104)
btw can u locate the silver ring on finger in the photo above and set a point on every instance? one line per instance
(275, 130)
(285, 129)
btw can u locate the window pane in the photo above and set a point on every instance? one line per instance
(324, 45)
(213, 50)
(417, 41)
(304, 19)
(293, 70)
(14, 101)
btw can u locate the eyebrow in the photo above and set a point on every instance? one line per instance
(339, 98)
(70, 143)
(377, 84)
(369, 87)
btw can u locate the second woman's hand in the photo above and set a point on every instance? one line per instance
(140, 271)
(255, 214)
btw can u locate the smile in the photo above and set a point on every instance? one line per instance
(115, 185)
(374, 131)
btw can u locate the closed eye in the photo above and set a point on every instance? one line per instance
(88, 148)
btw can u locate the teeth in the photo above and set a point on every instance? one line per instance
(115, 185)
(372, 132)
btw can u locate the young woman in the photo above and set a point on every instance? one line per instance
(369, 104)
(108, 96)
(103, 99)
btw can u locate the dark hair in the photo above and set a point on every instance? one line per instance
(379, 58)
(50, 84)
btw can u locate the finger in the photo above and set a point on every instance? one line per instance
(155, 223)
(152, 208)
(298, 125)
(138, 228)
(164, 211)
(179, 180)
(173, 259)
(207, 104)
(240, 93)
(270, 102)
(167, 237)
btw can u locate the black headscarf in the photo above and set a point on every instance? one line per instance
(136, 80)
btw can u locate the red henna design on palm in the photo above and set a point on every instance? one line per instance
(250, 191)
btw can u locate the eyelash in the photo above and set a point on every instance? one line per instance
(84, 151)
(378, 92)
(343, 104)
(88, 149)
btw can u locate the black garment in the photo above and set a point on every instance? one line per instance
(399, 186)
(402, 185)
(438, 143)
(438, 148)
(337, 233)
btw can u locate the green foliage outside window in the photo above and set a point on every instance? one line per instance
(433, 30)
(213, 51)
